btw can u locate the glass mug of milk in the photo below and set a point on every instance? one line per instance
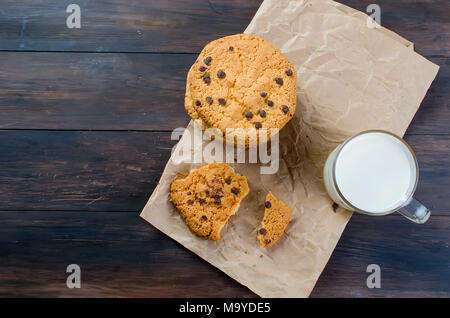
(375, 172)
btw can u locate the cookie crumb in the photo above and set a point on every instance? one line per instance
(276, 218)
(335, 206)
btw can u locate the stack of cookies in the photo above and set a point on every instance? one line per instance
(244, 84)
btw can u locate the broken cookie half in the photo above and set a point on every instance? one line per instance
(276, 218)
(207, 198)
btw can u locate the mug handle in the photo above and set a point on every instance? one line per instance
(415, 211)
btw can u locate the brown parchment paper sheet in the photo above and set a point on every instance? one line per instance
(351, 78)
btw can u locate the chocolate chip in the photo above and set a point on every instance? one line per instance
(221, 74)
(289, 72)
(227, 180)
(267, 242)
(258, 125)
(263, 94)
(285, 109)
(262, 231)
(249, 115)
(190, 202)
(222, 101)
(270, 103)
(279, 80)
(198, 103)
(207, 192)
(207, 79)
(202, 68)
(262, 113)
(207, 60)
(189, 193)
(204, 217)
(217, 200)
(202, 201)
(235, 190)
(209, 100)
(335, 206)
(231, 48)
(268, 204)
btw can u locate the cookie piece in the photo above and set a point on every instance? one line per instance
(254, 77)
(276, 218)
(207, 198)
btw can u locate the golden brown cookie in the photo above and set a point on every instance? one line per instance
(276, 218)
(242, 82)
(207, 198)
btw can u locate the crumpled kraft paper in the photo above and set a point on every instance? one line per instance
(351, 78)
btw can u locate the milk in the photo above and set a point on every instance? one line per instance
(375, 172)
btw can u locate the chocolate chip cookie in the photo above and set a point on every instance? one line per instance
(276, 218)
(207, 198)
(241, 82)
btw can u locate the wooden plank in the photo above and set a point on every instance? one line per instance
(434, 161)
(186, 25)
(414, 259)
(117, 171)
(121, 255)
(122, 25)
(426, 23)
(132, 91)
(433, 116)
(93, 91)
(51, 170)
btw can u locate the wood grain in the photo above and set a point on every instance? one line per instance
(132, 91)
(414, 259)
(122, 26)
(93, 91)
(121, 255)
(117, 171)
(93, 171)
(426, 23)
(186, 25)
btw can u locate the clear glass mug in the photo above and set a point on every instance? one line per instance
(407, 205)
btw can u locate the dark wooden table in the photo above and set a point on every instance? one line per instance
(85, 119)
